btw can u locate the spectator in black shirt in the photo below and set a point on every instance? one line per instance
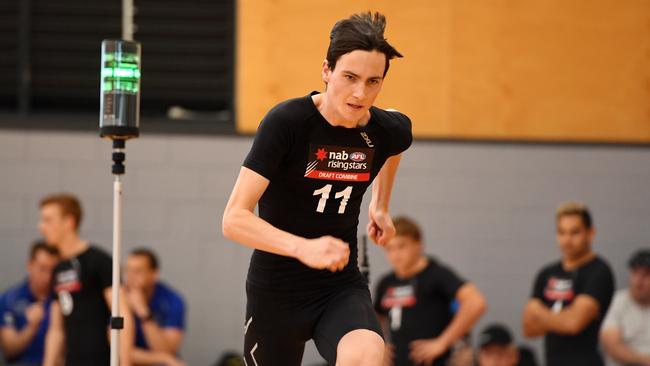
(570, 298)
(415, 301)
(80, 312)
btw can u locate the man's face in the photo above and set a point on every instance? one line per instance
(498, 355)
(573, 237)
(139, 274)
(640, 284)
(403, 252)
(53, 225)
(354, 83)
(40, 269)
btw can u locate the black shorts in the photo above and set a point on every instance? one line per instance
(277, 325)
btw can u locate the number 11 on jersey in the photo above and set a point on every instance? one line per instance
(324, 194)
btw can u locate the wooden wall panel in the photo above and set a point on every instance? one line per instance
(508, 70)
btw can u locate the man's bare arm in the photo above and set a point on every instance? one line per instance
(570, 321)
(240, 224)
(14, 341)
(55, 338)
(612, 342)
(472, 306)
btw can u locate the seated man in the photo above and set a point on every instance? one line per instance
(24, 309)
(414, 302)
(158, 311)
(496, 347)
(625, 334)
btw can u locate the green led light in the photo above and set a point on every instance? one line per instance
(121, 77)
(121, 73)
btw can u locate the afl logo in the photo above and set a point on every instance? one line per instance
(357, 156)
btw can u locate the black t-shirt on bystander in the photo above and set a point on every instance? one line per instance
(419, 307)
(79, 285)
(558, 288)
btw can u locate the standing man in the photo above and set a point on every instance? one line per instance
(158, 310)
(80, 312)
(571, 297)
(414, 302)
(24, 309)
(625, 334)
(311, 162)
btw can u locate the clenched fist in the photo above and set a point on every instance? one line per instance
(326, 252)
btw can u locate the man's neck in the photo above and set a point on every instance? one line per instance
(417, 267)
(323, 106)
(148, 293)
(72, 246)
(644, 303)
(570, 264)
(39, 294)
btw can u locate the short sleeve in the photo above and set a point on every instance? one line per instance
(447, 281)
(5, 316)
(271, 143)
(380, 291)
(401, 135)
(613, 318)
(538, 286)
(176, 316)
(55, 273)
(104, 270)
(600, 286)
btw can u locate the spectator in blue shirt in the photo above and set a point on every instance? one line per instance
(24, 309)
(159, 311)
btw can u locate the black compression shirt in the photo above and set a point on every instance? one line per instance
(318, 174)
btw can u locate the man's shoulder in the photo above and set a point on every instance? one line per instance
(391, 119)
(290, 110)
(622, 297)
(13, 293)
(95, 251)
(167, 293)
(386, 279)
(550, 268)
(600, 263)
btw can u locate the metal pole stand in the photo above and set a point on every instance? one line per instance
(117, 322)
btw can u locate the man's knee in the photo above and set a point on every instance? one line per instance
(360, 347)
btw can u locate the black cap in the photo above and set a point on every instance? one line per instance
(640, 259)
(495, 334)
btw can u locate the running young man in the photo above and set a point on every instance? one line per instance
(310, 164)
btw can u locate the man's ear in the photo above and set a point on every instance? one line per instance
(70, 222)
(326, 71)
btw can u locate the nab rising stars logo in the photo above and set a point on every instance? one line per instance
(338, 163)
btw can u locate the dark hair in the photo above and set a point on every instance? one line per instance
(151, 256)
(69, 205)
(41, 246)
(362, 31)
(405, 226)
(575, 209)
(640, 258)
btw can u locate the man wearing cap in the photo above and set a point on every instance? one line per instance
(625, 334)
(496, 347)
